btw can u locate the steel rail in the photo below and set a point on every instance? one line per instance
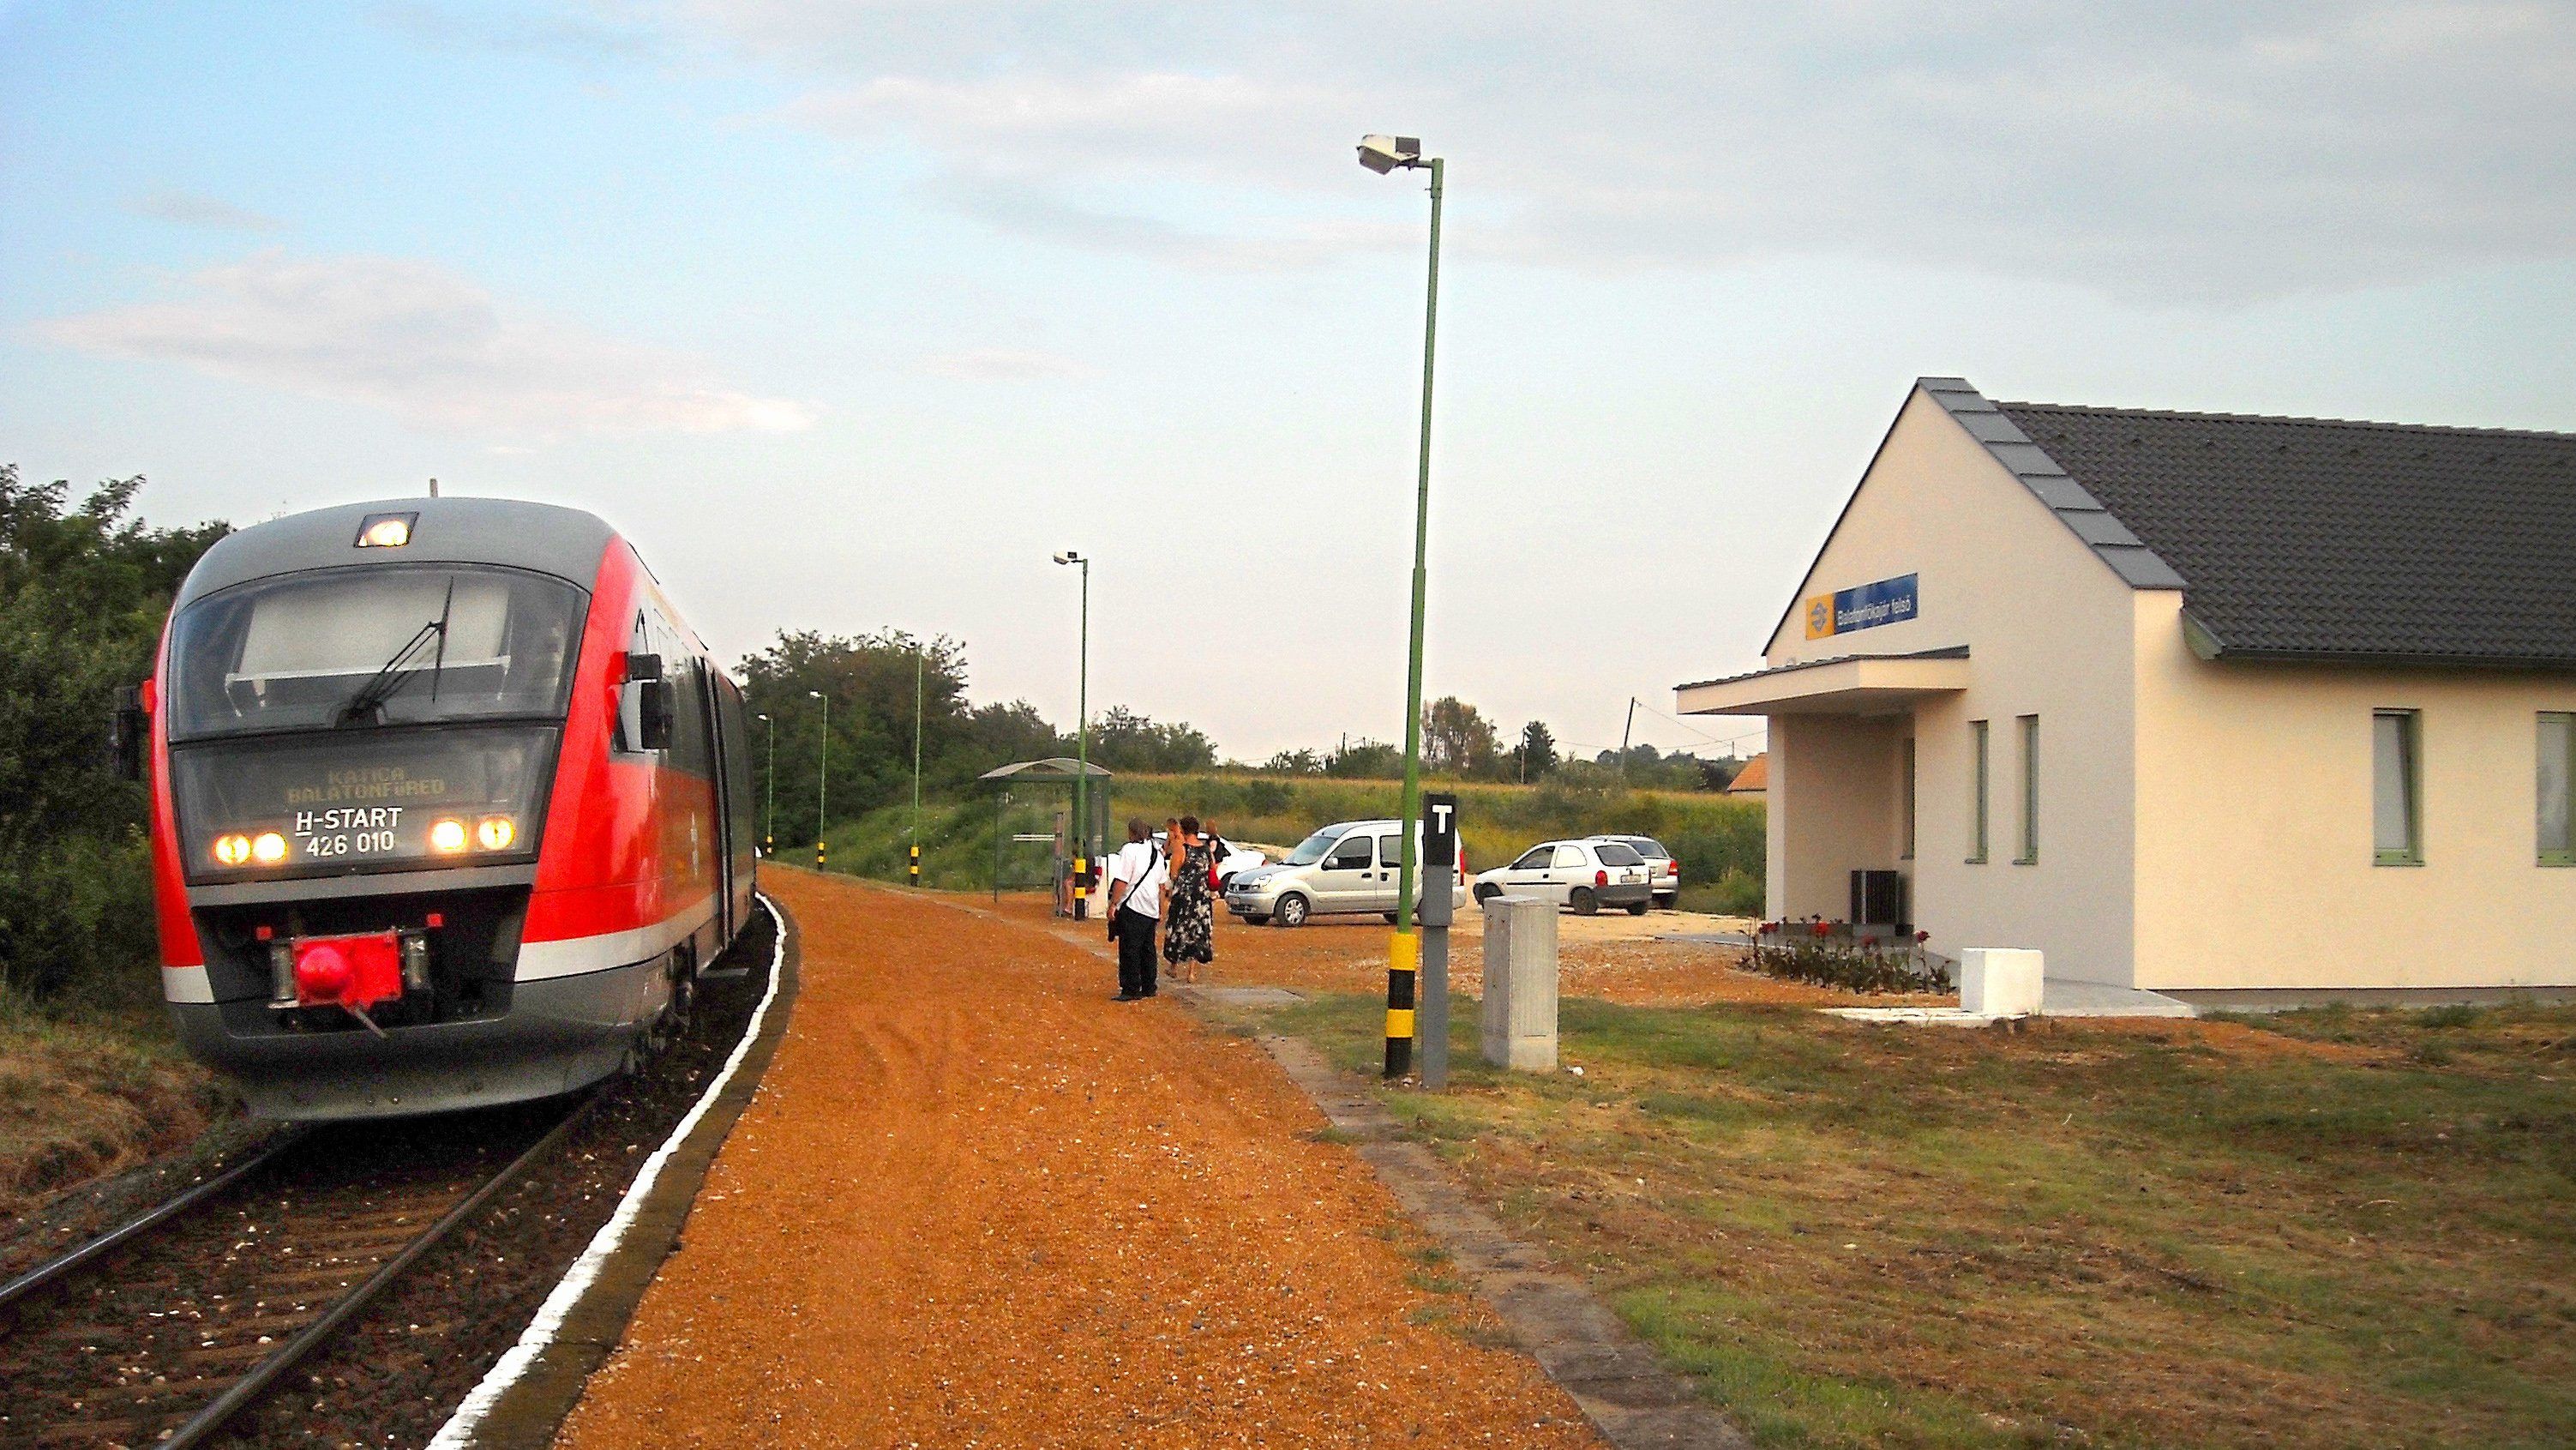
(251, 1386)
(55, 1269)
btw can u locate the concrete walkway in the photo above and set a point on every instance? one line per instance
(976, 1203)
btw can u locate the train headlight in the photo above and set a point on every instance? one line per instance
(233, 850)
(448, 835)
(268, 848)
(495, 833)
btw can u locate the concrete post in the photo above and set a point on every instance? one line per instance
(1519, 1018)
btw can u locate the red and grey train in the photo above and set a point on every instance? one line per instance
(449, 807)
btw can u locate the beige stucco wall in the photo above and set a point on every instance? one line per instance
(1847, 817)
(2051, 631)
(2254, 828)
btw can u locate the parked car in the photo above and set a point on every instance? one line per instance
(1584, 875)
(1237, 861)
(1664, 872)
(1347, 868)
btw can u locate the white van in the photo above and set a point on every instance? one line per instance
(1350, 868)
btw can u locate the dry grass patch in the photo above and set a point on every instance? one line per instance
(86, 1098)
(2304, 1232)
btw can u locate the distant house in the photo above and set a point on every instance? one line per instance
(2198, 703)
(1754, 778)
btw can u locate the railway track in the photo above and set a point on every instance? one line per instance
(166, 1329)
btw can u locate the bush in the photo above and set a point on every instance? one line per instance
(1826, 955)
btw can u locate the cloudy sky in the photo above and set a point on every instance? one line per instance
(852, 313)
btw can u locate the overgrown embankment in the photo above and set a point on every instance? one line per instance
(1719, 840)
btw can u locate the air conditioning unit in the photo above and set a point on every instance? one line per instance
(1878, 899)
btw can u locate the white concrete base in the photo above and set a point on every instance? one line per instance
(2000, 981)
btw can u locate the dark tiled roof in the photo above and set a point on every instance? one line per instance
(2308, 537)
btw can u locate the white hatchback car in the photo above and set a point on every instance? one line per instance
(1584, 875)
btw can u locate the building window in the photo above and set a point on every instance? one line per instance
(2397, 787)
(1908, 853)
(1977, 809)
(2557, 765)
(2029, 792)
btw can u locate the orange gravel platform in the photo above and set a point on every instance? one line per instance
(976, 1203)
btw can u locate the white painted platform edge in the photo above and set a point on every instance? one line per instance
(458, 1432)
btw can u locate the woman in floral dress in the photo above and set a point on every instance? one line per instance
(1189, 931)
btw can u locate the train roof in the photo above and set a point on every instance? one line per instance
(548, 539)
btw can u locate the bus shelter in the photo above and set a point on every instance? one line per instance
(1018, 830)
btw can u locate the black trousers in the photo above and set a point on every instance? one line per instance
(1136, 962)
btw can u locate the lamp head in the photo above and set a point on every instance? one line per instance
(760, 717)
(1068, 557)
(813, 694)
(1383, 154)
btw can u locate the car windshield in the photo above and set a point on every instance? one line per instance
(1312, 849)
(1613, 853)
(372, 646)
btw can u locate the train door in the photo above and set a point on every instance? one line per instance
(720, 748)
(735, 804)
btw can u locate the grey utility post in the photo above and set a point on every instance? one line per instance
(1439, 863)
(1520, 983)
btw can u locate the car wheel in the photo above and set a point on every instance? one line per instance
(1636, 908)
(1291, 910)
(1581, 899)
(1486, 891)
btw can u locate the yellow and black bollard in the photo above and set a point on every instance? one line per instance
(1081, 888)
(916, 866)
(818, 855)
(1402, 958)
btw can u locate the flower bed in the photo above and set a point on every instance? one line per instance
(1831, 954)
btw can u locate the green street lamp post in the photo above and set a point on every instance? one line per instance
(1082, 749)
(918, 657)
(822, 776)
(769, 794)
(1383, 154)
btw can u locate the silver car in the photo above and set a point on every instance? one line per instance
(1584, 875)
(1349, 868)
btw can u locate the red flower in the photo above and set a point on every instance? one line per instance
(1869, 941)
(1921, 937)
(1822, 929)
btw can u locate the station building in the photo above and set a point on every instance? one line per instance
(2228, 708)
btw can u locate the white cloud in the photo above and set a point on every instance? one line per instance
(188, 209)
(423, 342)
(2151, 149)
(1002, 365)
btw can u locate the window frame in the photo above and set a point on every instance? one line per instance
(2542, 852)
(1906, 853)
(2411, 771)
(1981, 766)
(2029, 855)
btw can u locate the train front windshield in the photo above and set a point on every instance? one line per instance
(374, 646)
(294, 705)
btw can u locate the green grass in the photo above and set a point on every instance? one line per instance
(2280, 1231)
(1718, 839)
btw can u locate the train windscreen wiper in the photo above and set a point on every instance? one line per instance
(367, 706)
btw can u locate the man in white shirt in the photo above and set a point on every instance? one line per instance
(1136, 877)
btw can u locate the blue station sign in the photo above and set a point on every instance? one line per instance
(1865, 606)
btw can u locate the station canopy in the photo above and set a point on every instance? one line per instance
(1054, 768)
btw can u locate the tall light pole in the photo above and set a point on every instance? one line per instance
(1082, 749)
(822, 776)
(769, 791)
(1383, 154)
(914, 864)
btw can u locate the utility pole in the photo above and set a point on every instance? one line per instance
(1624, 732)
(917, 661)
(822, 777)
